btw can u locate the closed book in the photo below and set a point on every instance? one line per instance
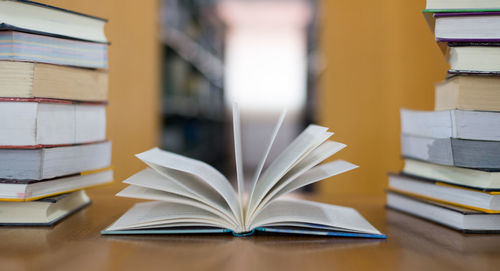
(19, 46)
(476, 199)
(469, 93)
(43, 122)
(28, 190)
(464, 124)
(33, 17)
(458, 218)
(37, 80)
(46, 163)
(478, 154)
(42, 212)
(460, 5)
(466, 26)
(473, 178)
(475, 57)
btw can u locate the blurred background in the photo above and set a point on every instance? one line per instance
(176, 66)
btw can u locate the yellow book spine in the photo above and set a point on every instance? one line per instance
(65, 191)
(469, 189)
(445, 202)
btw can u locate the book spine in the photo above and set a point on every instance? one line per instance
(494, 10)
(324, 233)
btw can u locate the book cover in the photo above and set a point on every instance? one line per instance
(60, 206)
(37, 18)
(455, 217)
(484, 10)
(48, 81)
(45, 163)
(472, 199)
(19, 46)
(58, 9)
(29, 190)
(256, 230)
(431, 16)
(36, 123)
(477, 154)
(466, 177)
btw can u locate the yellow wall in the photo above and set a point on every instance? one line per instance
(134, 59)
(381, 56)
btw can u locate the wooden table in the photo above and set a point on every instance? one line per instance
(76, 244)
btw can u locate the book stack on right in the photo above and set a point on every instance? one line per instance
(452, 155)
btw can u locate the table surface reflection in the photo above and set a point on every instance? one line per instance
(412, 244)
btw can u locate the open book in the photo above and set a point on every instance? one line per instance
(192, 197)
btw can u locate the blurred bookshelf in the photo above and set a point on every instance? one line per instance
(193, 96)
(193, 108)
(315, 66)
(315, 62)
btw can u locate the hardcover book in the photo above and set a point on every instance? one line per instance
(192, 197)
(464, 124)
(481, 200)
(37, 80)
(28, 190)
(458, 218)
(478, 154)
(47, 163)
(42, 212)
(469, 93)
(474, 58)
(466, 26)
(33, 17)
(35, 123)
(472, 178)
(461, 5)
(19, 46)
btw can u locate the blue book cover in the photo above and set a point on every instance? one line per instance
(261, 229)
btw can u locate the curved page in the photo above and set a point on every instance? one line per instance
(134, 191)
(316, 174)
(310, 138)
(153, 213)
(308, 212)
(181, 184)
(201, 171)
(319, 154)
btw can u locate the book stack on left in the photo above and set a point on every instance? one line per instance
(53, 97)
(452, 155)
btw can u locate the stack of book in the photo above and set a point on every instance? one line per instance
(452, 155)
(53, 94)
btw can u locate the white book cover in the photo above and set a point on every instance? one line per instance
(37, 123)
(463, 124)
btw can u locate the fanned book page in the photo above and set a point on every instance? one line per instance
(188, 196)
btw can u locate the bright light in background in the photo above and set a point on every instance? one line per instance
(265, 59)
(266, 69)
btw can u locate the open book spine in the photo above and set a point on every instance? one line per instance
(245, 234)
